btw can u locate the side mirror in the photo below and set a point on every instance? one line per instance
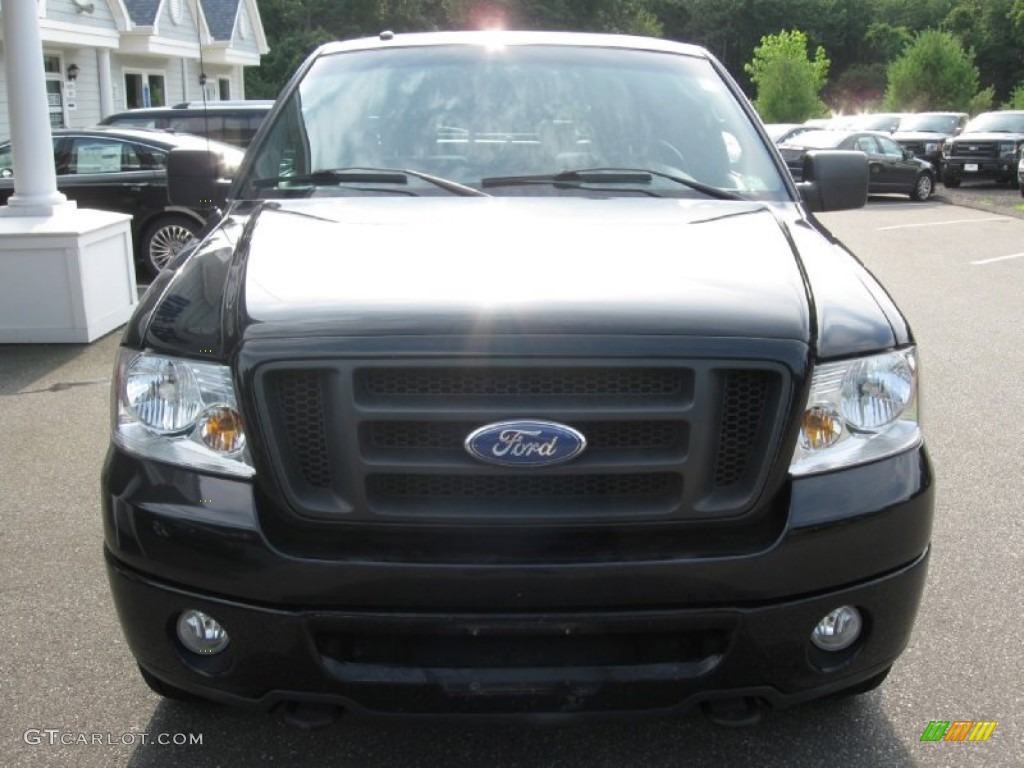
(834, 180)
(908, 155)
(195, 179)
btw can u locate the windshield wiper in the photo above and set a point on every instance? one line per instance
(573, 179)
(357, 175)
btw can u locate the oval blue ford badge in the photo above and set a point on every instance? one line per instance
(525, 443)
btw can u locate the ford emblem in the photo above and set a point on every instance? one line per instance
(525, 443)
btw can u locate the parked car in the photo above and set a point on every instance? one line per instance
(1020, 171)
(884, 122)
(506, 383)
(782, 132)
(987, 149)
(124, 170)
(893, 169)
(233, 122)
(925, 134)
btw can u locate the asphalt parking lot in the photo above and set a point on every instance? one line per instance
(957, 272)
(983, 196)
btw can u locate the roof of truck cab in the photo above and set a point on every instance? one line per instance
(511, 38)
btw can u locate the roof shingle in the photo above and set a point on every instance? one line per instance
(220, 17)
(143, 12)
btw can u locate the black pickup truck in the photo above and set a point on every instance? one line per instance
(926, 133)
(516, 377)
(987, 149)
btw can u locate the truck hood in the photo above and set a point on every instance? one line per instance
(357, 266)
(920, 136)
(969, 138)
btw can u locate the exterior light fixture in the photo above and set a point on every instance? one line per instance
(73, 71)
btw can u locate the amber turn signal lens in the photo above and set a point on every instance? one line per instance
(220, 429)
(822, 427)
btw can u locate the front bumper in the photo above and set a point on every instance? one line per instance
(390, 636)
(1004, 168)
(306, 656)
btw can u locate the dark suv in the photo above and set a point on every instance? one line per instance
(987, 149)
(233, 122)
(517, 377)
(925, 134)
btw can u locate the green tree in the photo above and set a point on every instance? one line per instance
(934, 73)
(1016, 100)
(788, 83)
(859, 87)
(886, 42)
(994, 30)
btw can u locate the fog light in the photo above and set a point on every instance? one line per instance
(201, 633)
(838, 629)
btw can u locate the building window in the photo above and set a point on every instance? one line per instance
(224, 86)
(144, 89)
(55, 90)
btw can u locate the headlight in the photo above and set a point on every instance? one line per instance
(1007, 148)
(947, 150)
(931, 146)
(858, 411)
(180, 411)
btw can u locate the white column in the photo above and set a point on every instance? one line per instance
(106, 83)
(35, 181)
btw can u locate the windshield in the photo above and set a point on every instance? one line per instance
(468, 113)
(997, 122)
(929, 123)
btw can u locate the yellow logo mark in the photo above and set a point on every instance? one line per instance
(982, 730)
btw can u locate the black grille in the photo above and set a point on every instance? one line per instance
(471, 649)
(498, 487)
(917, 147)
(621, 382)
(365, 441)
(980, 149)
(300, 396)
(743, 403)
(450, 436)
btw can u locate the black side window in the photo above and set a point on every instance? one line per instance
(151, 159)
(89, 155)
(866, 144)
(891, 148)
(6, 165)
